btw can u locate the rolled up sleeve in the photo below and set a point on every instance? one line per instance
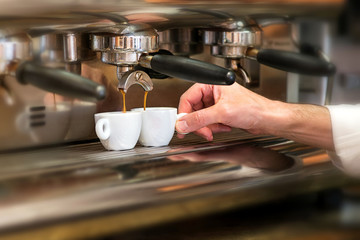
(345, 121)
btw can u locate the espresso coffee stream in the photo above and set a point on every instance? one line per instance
(145, 97)
(124, 103)
(123, 96)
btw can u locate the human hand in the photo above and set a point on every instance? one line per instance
(213, 108)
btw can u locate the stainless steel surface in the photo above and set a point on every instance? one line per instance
(77, 47)
(49, 50)
(57, 190)
(120, 58)
(13, 48)
(320, 215)
(145, 61)
(123, 44)
(57, 181)
(234, 7)
(68, 34)
(233, 38)
(312, 89)
(184, 41)
(70, 47)
(244, 77)
(135, 77)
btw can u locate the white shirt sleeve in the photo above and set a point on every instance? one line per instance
(345, 121)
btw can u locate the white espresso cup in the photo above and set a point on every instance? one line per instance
(158, 125)
(118, 130)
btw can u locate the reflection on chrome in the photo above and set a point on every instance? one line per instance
(244, 155)
(187, 173)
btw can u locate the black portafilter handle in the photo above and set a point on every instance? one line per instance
(295, 62)
(188, 69)
(59, 82)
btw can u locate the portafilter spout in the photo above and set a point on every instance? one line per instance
(132, 77)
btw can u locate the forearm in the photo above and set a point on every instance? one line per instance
(304, 123)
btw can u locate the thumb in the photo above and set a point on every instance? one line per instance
(196, 120)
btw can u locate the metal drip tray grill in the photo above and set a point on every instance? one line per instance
(62, 189)
(93, 154)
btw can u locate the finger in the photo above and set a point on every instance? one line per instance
(219, 128)
(208, 100)
(192, 99)
(188, 99)
(196, 120)
(197, 106)
(205, 133)
(180, 136)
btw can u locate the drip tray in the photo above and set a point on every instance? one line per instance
(62, 189)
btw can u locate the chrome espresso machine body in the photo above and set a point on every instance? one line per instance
(63, 61)
(47, 64)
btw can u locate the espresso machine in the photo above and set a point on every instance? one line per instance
(63, 61)
(32, 57)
